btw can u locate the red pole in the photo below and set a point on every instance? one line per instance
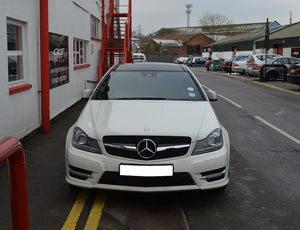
(12, 150)
(44, 47)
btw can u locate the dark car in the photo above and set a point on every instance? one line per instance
(278, 68)
(294, 74)
(226, 65)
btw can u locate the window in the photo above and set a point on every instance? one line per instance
(95, 27)
(14, 51)
(80, 52)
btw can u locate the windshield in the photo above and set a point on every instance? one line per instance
(148, 85)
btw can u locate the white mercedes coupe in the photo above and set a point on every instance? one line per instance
(148, 127)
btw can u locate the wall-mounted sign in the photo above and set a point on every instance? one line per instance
(295, 52)
(58, 60)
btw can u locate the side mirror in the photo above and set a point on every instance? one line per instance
(85, 94)
(212, 95)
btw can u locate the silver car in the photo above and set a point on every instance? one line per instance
(239, 63)
(255, 62)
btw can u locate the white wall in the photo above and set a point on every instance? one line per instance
(216, 55)
(72, 19)
(20, 112)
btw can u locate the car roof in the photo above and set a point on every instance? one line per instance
(151, 66)
(286, 57)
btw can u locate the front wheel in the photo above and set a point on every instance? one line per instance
(272, 75)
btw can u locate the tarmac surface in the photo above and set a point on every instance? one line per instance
(48, 193)
(49, 196)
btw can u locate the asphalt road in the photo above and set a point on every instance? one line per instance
(264, 189)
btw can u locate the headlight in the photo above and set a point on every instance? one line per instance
(81, 140)
(212, 142)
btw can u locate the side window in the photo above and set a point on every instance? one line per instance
(295, 61)
(285, 61)
(14, 51)
(276, 62)
(95, 33)
(80, 52)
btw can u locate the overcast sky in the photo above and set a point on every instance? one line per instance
(151, 15)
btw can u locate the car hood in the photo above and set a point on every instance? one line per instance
(164, 118)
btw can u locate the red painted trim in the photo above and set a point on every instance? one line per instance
(44, 49)
(19, 88)
(12, 150)
(81, 66)
(96, 39)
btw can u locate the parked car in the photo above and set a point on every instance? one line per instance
(208, 64)
(181, 60)
(239, 63)
(226, 65)
(148, 127)
(138, 57)
(294, 74)
(255, 62)
(278, 72)
(196, 61)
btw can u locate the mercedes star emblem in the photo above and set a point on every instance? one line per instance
(146, 148)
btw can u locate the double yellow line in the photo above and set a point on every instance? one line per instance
(95, 212)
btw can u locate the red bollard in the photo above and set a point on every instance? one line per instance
(12, 150)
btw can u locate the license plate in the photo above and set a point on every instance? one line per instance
(146, 170)
(292, 70)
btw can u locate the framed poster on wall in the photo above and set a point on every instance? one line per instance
(295, 52)
(58, 60)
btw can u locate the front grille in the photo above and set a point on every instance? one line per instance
(167, 147)
(178, 179)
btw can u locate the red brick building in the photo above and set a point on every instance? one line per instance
(181, 45)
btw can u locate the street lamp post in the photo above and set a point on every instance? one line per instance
(188, 12)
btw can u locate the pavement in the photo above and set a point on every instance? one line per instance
(277, 85)
(49, 196)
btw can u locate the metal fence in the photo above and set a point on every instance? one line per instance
(161, 58)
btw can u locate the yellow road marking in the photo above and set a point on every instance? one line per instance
(275, 87)
(96, 212)
(76, 210)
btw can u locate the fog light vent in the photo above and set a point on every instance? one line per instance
(214, 175)
(78, 173)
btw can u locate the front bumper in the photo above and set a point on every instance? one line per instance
(294, 79)
(102, 171)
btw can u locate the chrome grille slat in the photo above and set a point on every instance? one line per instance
(121, 146)
(126, 146)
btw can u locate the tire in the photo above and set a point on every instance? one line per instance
(272, 75)
(284, 79)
